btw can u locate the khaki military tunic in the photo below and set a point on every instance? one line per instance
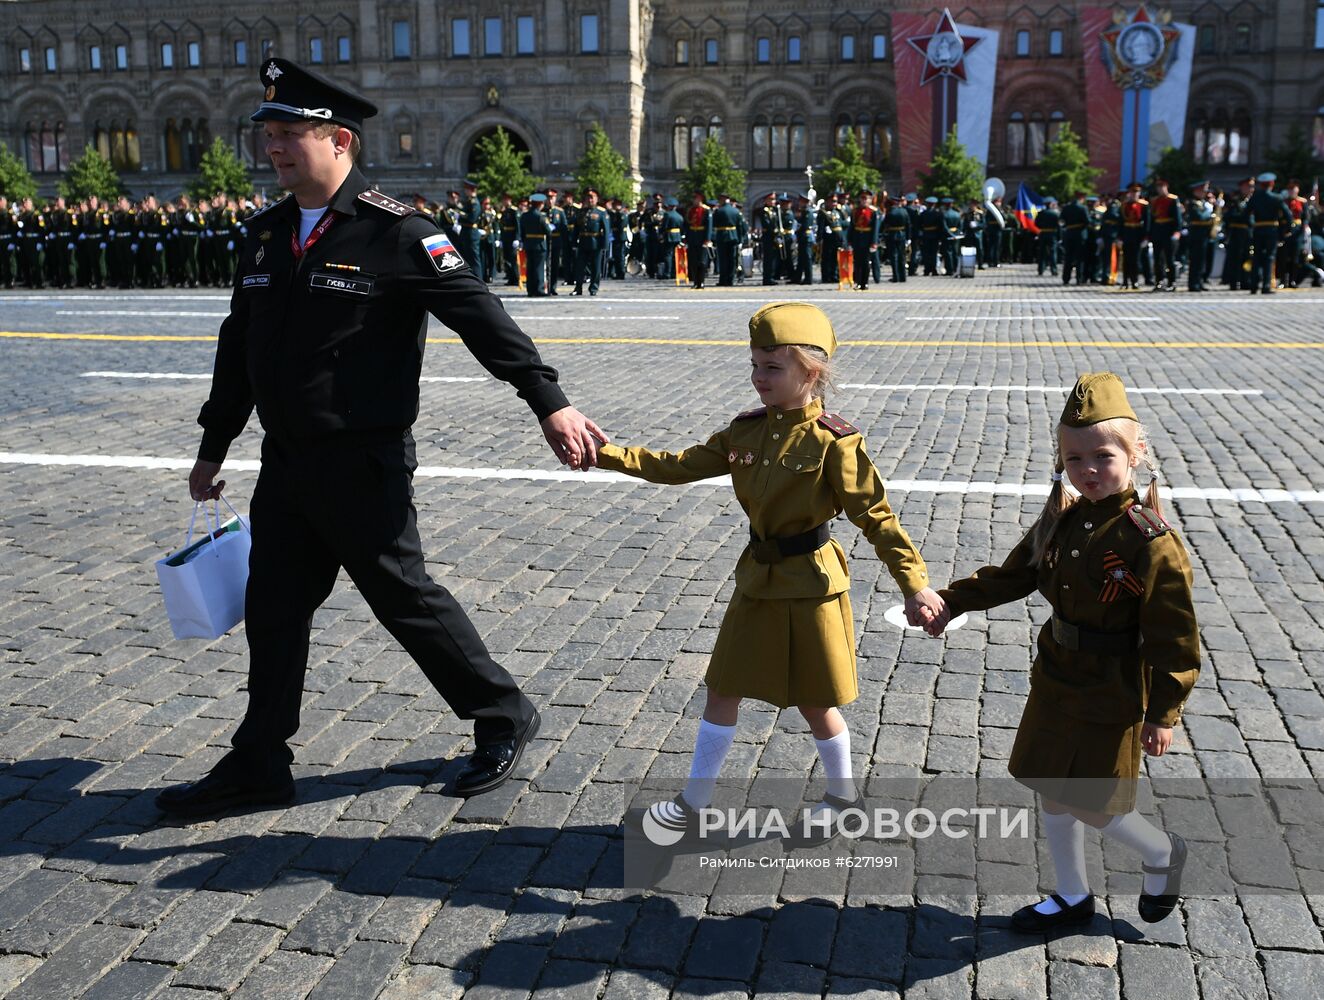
(1112, 567)
(788, 637)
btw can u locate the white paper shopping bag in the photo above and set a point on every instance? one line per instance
(204, 582)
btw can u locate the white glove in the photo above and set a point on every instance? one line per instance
(229, 245)
(159, 248)
(141, 234)
(102, 246)
(112, 234)
(71, 246)
(133, 247)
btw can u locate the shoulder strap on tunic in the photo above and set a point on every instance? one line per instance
(378, 200)
(751, 414)
(1148, 522)
(838, 425)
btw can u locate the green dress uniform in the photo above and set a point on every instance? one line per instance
(896, 230)
(590, 242)
(1268, 219)
(951, 237)
(1075, 222)
(1048, 223)
(1200, 224)
(533, 234)
(558, 239)
(787, 637)
(930, 235)
(726, 237)
(1122, 646)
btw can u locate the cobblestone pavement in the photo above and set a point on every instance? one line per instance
(604, 597)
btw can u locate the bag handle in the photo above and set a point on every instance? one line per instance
(209, 521)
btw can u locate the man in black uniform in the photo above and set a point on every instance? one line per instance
(325, 336)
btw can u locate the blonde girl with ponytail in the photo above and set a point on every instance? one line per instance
(1115, 661)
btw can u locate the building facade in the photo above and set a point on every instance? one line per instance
(150, 83)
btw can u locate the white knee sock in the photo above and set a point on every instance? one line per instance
(1142, 836)
(1066, 844)
(835, 755)
(711, 746)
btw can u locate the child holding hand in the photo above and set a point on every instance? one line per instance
(787, 637)
(1115, 662)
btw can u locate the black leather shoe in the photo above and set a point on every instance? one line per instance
(1028, 920)
(222, 789)
(492, 763)
(818, 835)
(1155, 908)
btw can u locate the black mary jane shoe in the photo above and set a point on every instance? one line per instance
(224, 788)
(1028, 920)
(492, 763)
(804, 840)
(1156, 908)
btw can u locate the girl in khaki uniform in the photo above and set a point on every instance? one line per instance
(1116, 660)
(787, 637)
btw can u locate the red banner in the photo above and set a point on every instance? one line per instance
(1103, 99)
(915, 125)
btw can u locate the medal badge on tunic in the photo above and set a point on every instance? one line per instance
(749, 458)
(1118, 579)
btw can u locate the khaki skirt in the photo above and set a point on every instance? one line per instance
(786, 651)
(1092, 766)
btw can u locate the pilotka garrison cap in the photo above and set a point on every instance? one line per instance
(782, 323)
(1096, 396)
(297, 94)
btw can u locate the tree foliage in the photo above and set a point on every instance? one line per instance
(953, 172)
(91, 174)
(15, 181)
(1065, 167)
(604, 170)
(221, 170)
(848, 171)
(1295, 159)
(1178, 168)
(713, 172)
(502, 169)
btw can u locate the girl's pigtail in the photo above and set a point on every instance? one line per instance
(1152, 492)
(1057, 504)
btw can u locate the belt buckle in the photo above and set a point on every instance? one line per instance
(1066, 634)
(766, 552)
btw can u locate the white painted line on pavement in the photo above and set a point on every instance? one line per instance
(158, 313)
(193, 375)
(1037, 318)
(958, 387)
(1237, 495)
(162, 314)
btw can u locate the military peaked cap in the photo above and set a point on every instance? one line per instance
(297, 94)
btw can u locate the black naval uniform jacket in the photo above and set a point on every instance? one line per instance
(333, 342)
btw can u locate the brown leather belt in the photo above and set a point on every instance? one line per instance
(1079, 639)
(773, 550)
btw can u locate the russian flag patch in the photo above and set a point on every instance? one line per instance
(441, 252)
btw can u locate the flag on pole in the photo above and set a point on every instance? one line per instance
(1028, 205)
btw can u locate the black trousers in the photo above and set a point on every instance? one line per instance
(350, 504)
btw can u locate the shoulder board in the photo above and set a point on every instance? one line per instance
(378, 200)
(838, 425)
(1148, 522)
(267, 208)
(751, 414)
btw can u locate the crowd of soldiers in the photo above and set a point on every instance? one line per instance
(144, 244)
(1251, 239)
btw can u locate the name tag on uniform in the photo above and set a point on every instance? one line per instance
(257, 280)
(347, 284)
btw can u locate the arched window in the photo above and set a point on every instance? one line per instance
(880, 143)
(761, 156)
(680, 143)
(1022, 43)
(1016, 140)
(101, 140)
(780, 143)
(1055, 121)
(873, 133)
(1035, 138)
(1222, 136)
(1243, 37)
(174, 155)
(125, 150)
(45, 147)
(1317, 133)
(715, 130)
